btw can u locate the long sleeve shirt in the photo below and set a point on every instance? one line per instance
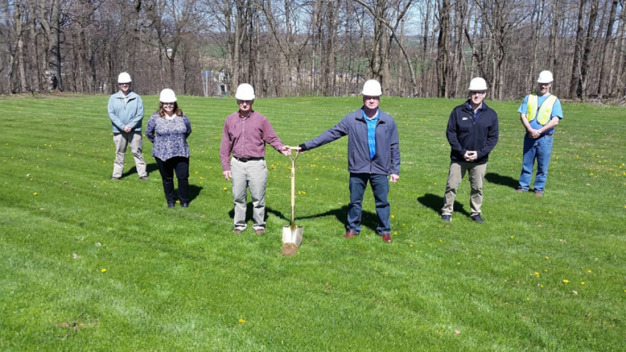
(466, 131)
(169, 136)
(385, 161)
(245, 137)
(125, 111)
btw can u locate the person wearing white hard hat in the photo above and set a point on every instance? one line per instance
(168, 129)
(126, 113)
(242, 153)
(472, 133)
(373, 156)
(540, 112)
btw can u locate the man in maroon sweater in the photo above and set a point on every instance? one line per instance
(242, 153)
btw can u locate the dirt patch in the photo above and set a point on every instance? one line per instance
(289, 249)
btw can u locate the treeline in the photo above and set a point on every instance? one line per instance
(429, 48)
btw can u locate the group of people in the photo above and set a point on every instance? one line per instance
(373, 148)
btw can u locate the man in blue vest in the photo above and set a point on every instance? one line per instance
(540, 113)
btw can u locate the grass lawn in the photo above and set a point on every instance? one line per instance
(90, 264)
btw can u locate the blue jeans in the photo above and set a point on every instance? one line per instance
(380, 187)
(539, 149)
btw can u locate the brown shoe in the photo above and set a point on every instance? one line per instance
(386, 237)
(538, 194)
(350, 234)
(259, 231)
(237, 231)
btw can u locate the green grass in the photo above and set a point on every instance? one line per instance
(88, 264)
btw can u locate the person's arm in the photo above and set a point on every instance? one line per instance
(395, 155)
(492, 138)
(139, 112)
(113, 116)
(187, 126)
(452, 135)
(226, 148)
(150, 129)
(548, 126)
(270, 137)
(339, 130)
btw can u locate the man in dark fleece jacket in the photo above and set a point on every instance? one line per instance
(472, 133)
(373, 154)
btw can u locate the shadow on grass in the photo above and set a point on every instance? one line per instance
(150, 168)
(368, 219)
(268, 210)
(435, 203)
(507, 181)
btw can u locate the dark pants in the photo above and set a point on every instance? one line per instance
(380, 187)
(167, 168)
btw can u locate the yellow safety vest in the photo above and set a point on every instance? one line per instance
(542, 113)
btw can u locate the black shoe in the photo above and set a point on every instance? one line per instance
(477, 219)
(184, 205)
(170, 204)
(446, 218)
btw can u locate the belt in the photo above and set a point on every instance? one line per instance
(245, 160)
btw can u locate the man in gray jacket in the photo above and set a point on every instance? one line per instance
(126, 114)
(373, 154)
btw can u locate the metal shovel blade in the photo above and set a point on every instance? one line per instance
(292, 234)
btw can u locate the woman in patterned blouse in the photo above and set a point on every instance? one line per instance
(168, 129)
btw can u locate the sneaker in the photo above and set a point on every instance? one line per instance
(538, 193)
(170, 204)
(386, 237)
(477, 219)
(446, 218)
(259, 231)
(143, 178)
(115, 178)
(520, 190)
(237, 231)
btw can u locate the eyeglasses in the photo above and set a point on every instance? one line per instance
(244, 102)
(124, 84)
(477, 92)
(168, 104)
(366, 97)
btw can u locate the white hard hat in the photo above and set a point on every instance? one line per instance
(124, 77)
(245, 92)
(477, 83)
(372, 88)
(545, 77)
(167, 96)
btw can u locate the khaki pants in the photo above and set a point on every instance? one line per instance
(122, 141)
(252, 174)
(455, 175)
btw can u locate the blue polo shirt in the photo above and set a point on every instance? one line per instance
(371, 132)
(557, 111)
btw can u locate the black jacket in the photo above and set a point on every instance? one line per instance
(464, 134)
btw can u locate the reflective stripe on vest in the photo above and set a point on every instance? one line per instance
(542, 113)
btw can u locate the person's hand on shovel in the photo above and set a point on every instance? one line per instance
(286, 150)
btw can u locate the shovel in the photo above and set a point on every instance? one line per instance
(292, 234)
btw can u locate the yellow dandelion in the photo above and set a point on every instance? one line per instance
(242, 321)
(565, 281)
(589, 271)
(582, 283)
(225, 188)
(547, 258)
(103, 270)
(393, 216)
(512, 237)
(35, 193)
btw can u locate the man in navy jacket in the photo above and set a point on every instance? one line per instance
(472, 133)
(373, 155)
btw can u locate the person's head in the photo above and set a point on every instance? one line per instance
(245, 97)
(168, 104)
(123, 82)
(545, 82)
(477, 91)
(371, 94)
